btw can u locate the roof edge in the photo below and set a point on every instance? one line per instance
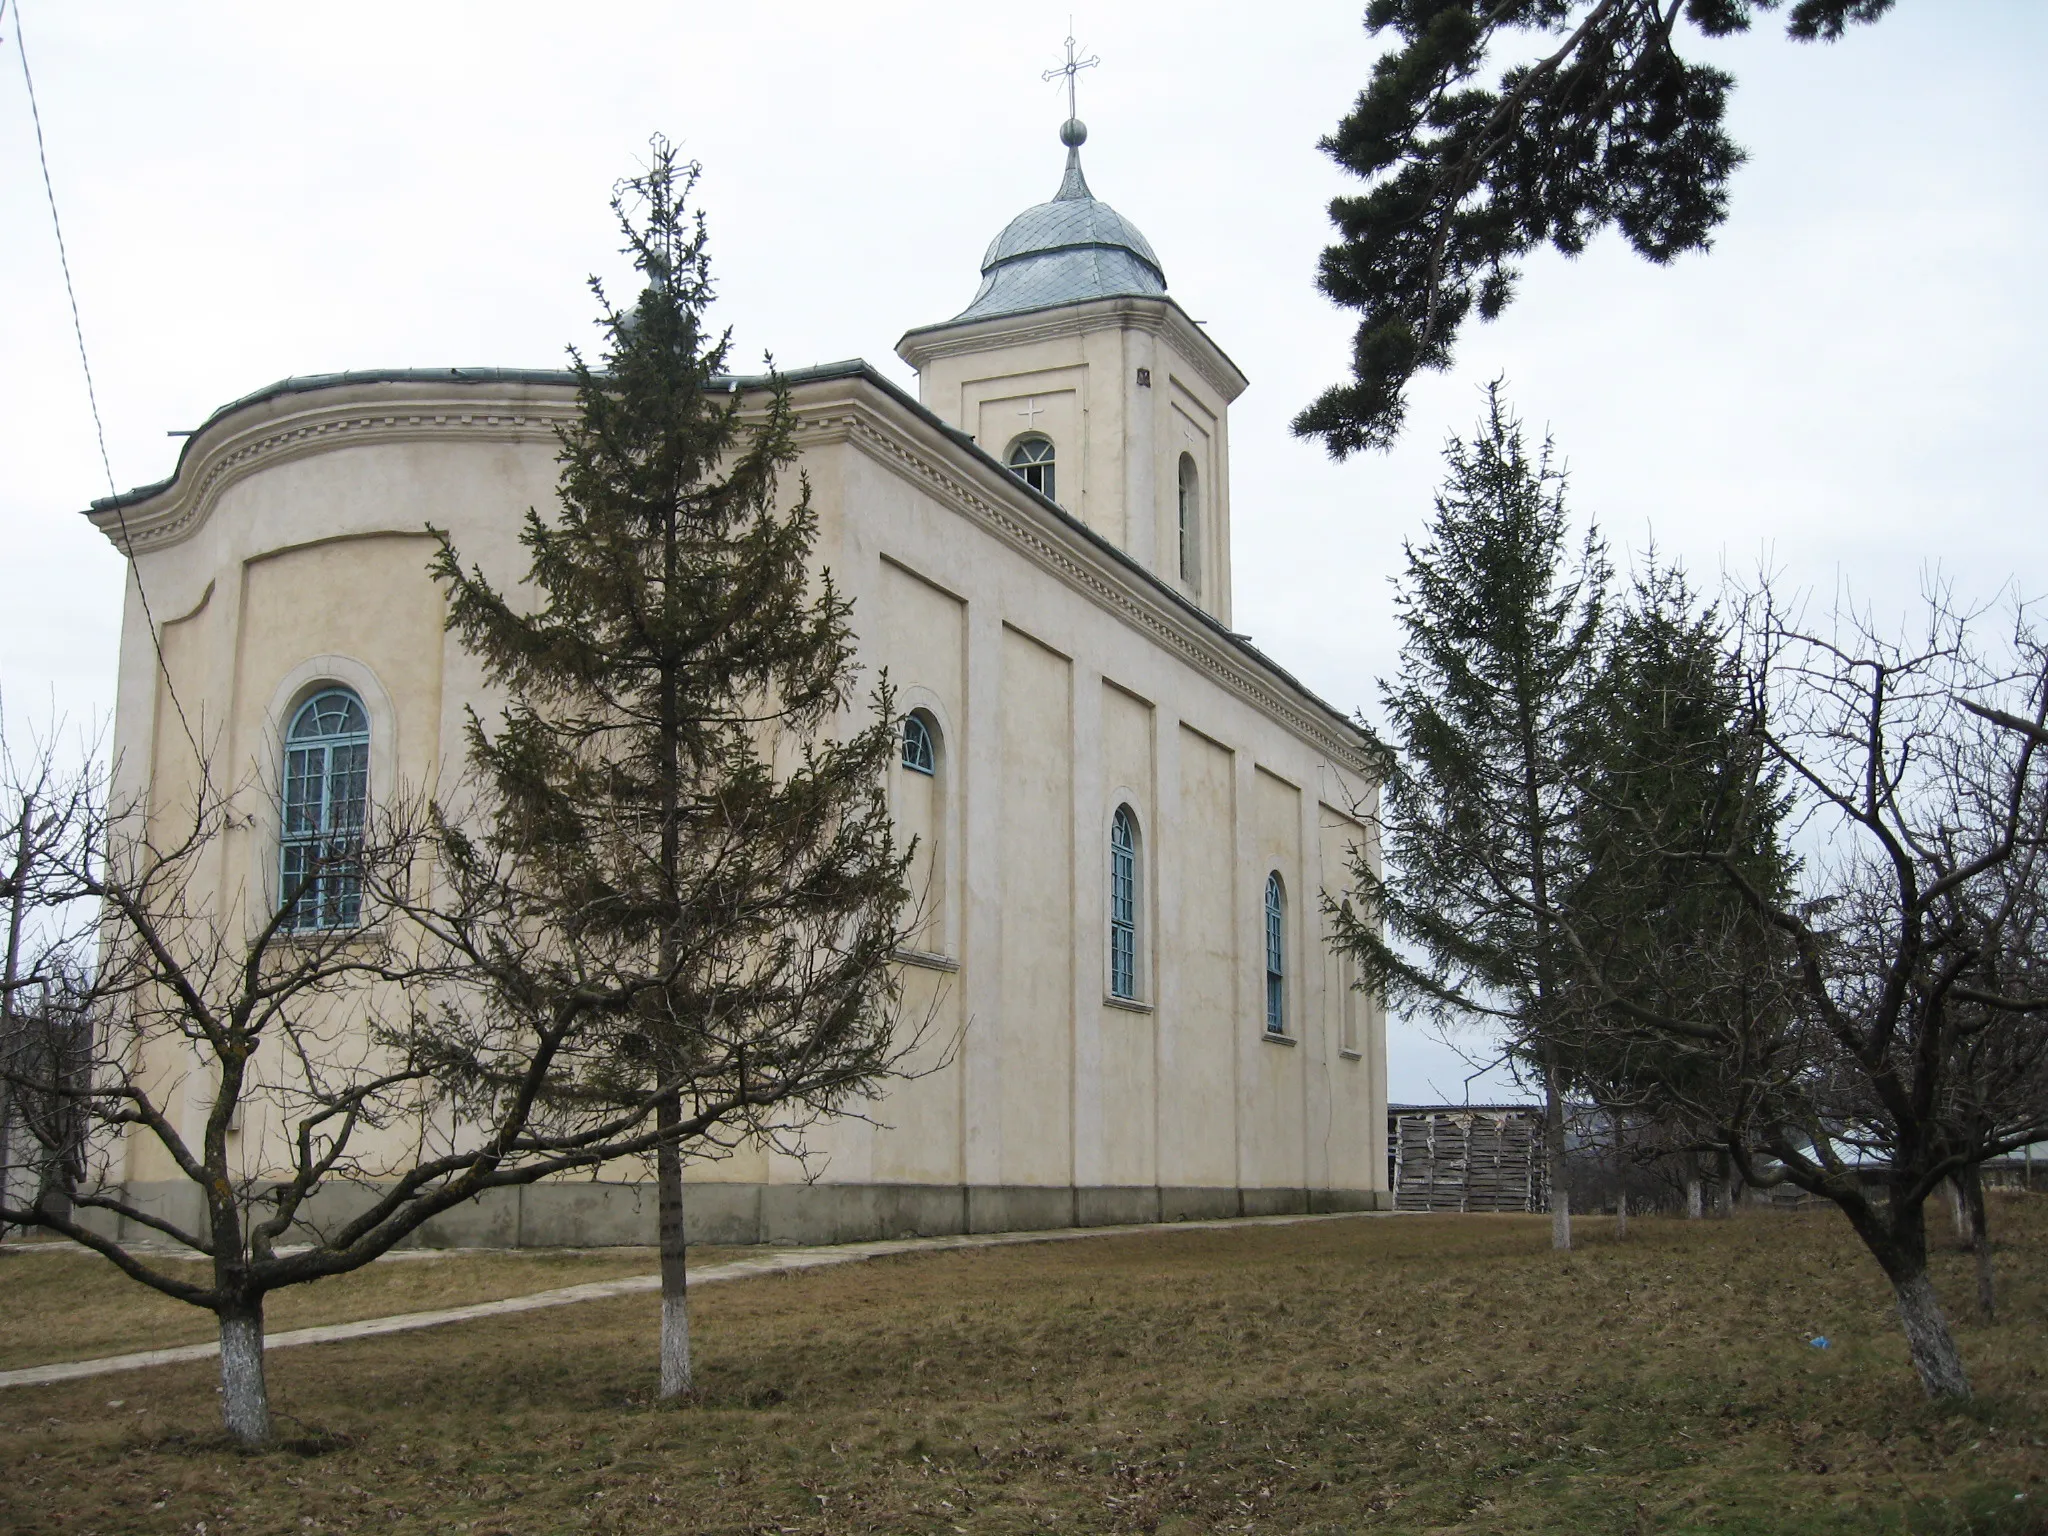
(309, 383)
(847, 369)
(920, 342)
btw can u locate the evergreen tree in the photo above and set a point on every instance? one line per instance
(1675, 794)
(1608, 125)
(1501, 624)
(683, 815)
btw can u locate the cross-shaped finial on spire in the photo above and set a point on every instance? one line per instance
(1071, 68)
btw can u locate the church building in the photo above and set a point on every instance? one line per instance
(1127, 816)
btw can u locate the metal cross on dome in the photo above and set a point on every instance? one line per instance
(1071, 68)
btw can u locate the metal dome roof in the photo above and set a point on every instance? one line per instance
(1067, 251)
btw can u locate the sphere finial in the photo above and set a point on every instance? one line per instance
(1073, 133)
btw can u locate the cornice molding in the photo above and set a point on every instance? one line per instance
(850, 408)
(1159, 317)
(182, 509)
(1017, 521)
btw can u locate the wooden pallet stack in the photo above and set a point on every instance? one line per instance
(1466, 1157)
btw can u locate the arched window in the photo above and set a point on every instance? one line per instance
(1276, 956)
(1190, 523)
(1031, 462)
(918, 756)
(326, 801)
(1123, 904)
(921, 824)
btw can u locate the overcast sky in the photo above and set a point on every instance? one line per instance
(1845, 388)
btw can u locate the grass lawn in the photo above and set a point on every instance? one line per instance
(71, 1305)
(1405, 1374)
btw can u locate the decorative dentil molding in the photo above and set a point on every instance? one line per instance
(182, 508)
(176, 513)
(1058, 550)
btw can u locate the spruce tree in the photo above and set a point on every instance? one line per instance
(1597, 119)
(1676, 796)
(683, 809)
(1501, 621)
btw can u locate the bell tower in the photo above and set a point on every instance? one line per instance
(1073, 367)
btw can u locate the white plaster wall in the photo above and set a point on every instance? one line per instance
(1055, 703)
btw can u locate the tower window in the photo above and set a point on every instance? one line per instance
(326, 801)
(1276, 956)
(1031, 462)
(918, 756)
(1123, 904)
(1190, 523)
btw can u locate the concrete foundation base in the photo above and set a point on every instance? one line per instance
(580, 1215)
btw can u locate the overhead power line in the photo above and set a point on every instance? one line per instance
(85, 363)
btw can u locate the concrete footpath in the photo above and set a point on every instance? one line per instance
(775, 1262)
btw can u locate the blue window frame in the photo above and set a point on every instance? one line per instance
(1276, 956)
(326, 801)
(918, 756)
(1123, 904)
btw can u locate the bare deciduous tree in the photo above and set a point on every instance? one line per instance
(283, 1079)
(1881, 1026)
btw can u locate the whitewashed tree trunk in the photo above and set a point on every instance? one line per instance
(1620, 1176)
(675, 1275)
(244, 1398)
(1695, 1199)
(1959, 1211)
(1980, 1244)
(1553, 1151)
(1928, 1339)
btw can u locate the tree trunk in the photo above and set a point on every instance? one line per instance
(675, 1278)
(1695, 1199)
(1959, 1212)
(1980, 1242)
(244, 1398)
(1553, 1151)
(1928, 1339)
(1620, 1179)
(10, 975)
(1724, 1189)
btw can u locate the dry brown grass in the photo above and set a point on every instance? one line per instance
(1413, 1374)
(72, 1305)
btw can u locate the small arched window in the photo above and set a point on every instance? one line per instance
(1276, 956)
(326, 802)
(918, 755)
(1190, 522)
(1123, 904)
(1031, 462)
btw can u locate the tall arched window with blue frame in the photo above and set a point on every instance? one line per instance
(1123, 904)
(918, 755)
(1276, 956)
(326, 803)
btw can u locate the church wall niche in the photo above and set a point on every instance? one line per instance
(361, 612)
(1274, 1153)
(1127, 1045)
(918, 632)
(1035, 1044)
(1191, 437)
(1198, 1020)
(1355, 1052)
(1050, 403)
(191, 645)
